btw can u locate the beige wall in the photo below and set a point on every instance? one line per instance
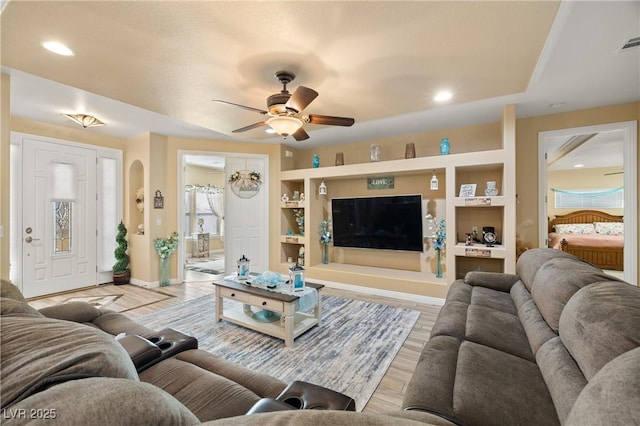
(203, 176)
(482, 137)
(164, 176)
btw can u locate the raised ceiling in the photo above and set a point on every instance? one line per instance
(157, 65)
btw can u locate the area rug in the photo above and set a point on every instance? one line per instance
(215, 267)
(350, 352)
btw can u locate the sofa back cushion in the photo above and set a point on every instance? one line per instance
(599, 323)
(531, 260)
(36, 352)
(557, 281)
(611, 397)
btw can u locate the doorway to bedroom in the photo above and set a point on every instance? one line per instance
(587, 180)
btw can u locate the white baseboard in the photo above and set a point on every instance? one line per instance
(380, 292)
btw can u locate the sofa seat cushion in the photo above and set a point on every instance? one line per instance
(599, 323)
(207, 394)
(484, 316)
(456, 378)
(462, 292)
(261, 384)
(38, 352)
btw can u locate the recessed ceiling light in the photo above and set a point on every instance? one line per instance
(57, 48)
(443, 96)
(577, 166)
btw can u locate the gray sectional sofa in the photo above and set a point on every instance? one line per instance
(558, 343)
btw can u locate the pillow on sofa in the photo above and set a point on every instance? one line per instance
(36, 352)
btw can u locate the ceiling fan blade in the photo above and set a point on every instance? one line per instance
(300, 99)
(249, 127)
(261, 111)
(330, 121)
(300, 134)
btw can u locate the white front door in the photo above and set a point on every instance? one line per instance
(247, 219)
(58, 217)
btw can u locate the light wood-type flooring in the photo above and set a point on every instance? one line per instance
(135, 301)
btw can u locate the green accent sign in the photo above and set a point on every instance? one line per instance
(380, 183)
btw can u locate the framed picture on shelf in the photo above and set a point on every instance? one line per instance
(468, 190)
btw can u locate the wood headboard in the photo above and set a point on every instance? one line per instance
(584, 216)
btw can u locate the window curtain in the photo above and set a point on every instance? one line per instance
(215, 197)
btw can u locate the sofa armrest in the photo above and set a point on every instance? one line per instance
(71, 311)
(140, 350)
(493, 280)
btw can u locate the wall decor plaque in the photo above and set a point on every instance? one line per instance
(380, 183)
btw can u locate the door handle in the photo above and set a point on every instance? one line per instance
(29, 239)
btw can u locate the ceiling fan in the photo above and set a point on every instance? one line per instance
(284, 111)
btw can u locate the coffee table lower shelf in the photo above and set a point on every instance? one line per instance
(301, 323)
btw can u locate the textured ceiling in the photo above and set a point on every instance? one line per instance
(368, 60)
(157, 65)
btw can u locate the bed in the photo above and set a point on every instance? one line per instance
(592, 235)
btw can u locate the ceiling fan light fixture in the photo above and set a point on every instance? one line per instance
(284, 125)
(84, 120)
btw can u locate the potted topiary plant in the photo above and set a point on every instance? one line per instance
(121, 272)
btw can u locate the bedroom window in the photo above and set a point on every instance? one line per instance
(592, 198)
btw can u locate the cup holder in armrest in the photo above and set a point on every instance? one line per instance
(170, 342)
(307, 396)
(294, 401)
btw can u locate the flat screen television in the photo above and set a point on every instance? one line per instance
(388, 222)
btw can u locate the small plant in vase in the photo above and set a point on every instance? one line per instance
(165, 248)
(438, 245)
(121, 271)
(325, 238)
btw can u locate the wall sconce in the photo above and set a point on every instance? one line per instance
(158, 200)
(322, 188)
(430, 231)
(434, 182)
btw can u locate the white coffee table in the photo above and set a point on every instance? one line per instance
(291, 324)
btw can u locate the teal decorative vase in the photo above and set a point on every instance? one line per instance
(316, 161)
(165, 269)
(438, 266)
(325, 254)
(444, 146)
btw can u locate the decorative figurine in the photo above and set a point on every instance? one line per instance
(469, 241)
(284, 198)
(302, 196)
(444, 146)
(316, 161)
(243, 268)
(296, 277)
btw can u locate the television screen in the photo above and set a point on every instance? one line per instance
(390, 223)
